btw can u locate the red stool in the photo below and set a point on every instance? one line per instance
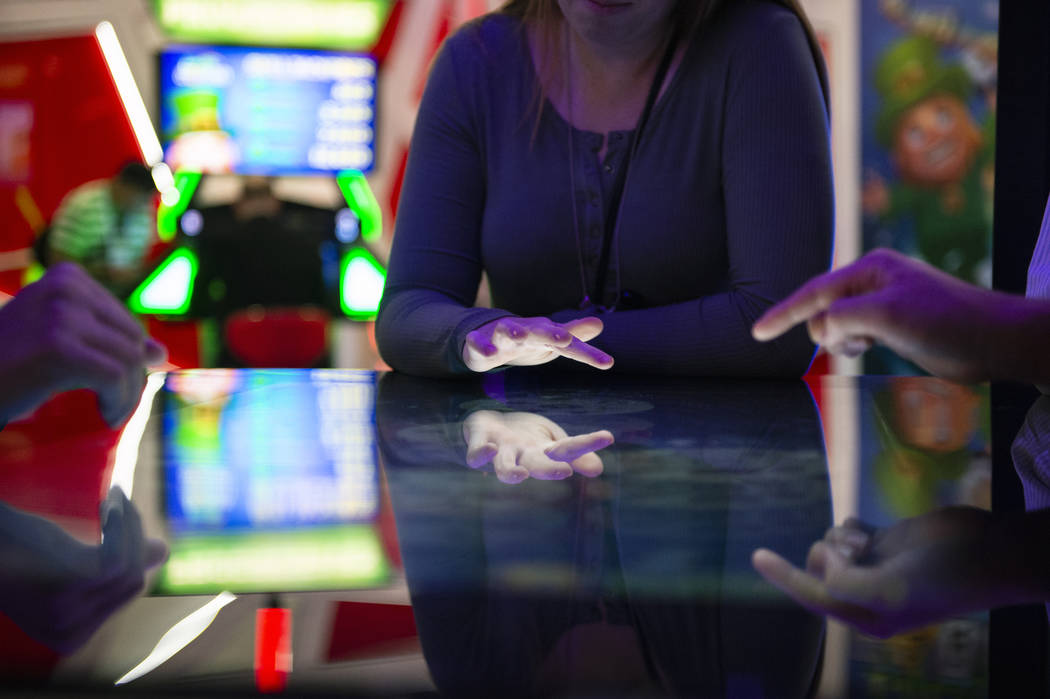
(277, 337)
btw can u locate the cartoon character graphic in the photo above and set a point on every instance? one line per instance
(934, 439)
(942, 158)
(200, 143)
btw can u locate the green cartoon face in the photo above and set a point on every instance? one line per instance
(936, 141)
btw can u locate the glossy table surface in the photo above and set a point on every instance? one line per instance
(346, 497)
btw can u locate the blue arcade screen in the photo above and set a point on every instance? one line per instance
(267, 111)
(271, 482)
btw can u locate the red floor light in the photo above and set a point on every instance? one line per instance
(273, 649)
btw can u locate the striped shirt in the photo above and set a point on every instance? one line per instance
(88, 228)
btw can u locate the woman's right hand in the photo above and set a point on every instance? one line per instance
(530, 341)
(527, 445)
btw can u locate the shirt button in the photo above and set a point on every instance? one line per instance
(595, 232)
(594, 199)
(609, 169)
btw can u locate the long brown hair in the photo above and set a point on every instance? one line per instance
(688, 14)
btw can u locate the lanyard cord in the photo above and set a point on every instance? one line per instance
(612, 222)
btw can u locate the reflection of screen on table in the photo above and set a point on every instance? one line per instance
(267, 111)
(270, 481)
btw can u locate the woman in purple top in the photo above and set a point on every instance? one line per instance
(639, 180)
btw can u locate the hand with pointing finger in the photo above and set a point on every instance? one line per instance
(529, 341)
(526, 445)
(920, 570)
(950, 328)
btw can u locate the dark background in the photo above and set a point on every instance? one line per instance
(1018, 652)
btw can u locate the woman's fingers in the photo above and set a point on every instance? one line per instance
(531, 341)
(589, 465)
(587, 354)
(542, 467)
(505, 463)
(572, 448)
(585, 329)
(578, 452)
(481, 453)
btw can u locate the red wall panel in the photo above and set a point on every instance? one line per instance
(77, 130)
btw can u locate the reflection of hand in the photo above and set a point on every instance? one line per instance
(529, 341)
(950, 328)
(60, 591)
(64, 332)
(916, 572)
(520, 445)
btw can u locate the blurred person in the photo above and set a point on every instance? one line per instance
(257, 200)
(107, 226)
(637, 181)
(955, 559)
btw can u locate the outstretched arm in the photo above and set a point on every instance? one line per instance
(946, 326)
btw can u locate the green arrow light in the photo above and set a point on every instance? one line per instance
(361, 285)
(362, 202)
(168, 289)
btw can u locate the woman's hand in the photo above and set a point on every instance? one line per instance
(524, 445)
(529, 341)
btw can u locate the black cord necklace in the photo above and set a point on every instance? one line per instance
(612, 222)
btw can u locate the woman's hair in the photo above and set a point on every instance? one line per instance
(689, 15)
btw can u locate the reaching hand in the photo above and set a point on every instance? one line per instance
(60, 591)
(523, 445)
(64, 332)
(916, 572)
(529, 341)
(944, 325)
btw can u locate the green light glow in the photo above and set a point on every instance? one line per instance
(168, 289)
(361, 284)
(321, 558)
(362, 202)
(167, 216)
(350, 25)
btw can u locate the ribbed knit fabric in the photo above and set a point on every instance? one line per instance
(1039, 268)
(1031, 455)
(727, 207)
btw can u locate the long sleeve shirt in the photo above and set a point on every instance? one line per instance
(727, 206)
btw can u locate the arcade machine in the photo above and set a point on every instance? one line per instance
(271, 277)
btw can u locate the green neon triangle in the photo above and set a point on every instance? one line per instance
(168, 289)
(167, 216)
(361, 284)
(362, 202)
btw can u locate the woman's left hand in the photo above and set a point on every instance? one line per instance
(526, 445)
(530, 341)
